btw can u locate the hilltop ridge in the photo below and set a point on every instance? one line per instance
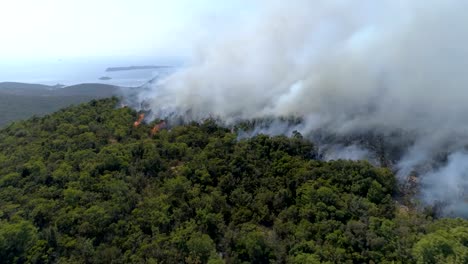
(85, 185)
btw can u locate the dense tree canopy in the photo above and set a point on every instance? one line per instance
(83, 185)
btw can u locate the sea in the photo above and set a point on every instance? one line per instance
(68, 72)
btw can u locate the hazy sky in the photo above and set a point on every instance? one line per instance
(49, 29)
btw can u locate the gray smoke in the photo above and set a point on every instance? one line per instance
(352, 152)
(346, 67)
(452, 190)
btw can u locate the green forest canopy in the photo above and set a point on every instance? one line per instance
(83, 185)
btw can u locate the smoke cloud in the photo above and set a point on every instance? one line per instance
(347, 68)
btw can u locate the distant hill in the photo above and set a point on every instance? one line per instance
(88, 89)
(15, 88)
(23, 100)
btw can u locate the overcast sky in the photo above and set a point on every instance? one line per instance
(49, 29)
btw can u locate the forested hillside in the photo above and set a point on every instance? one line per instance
(83, 185)
(21, 100)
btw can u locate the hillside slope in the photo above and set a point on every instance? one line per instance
(20, 100)
(83, 185)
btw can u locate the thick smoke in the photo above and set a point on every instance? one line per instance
(454, 186)
(347, 68)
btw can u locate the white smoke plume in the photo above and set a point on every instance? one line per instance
(352, 152)
(344, 67)
(453, 190)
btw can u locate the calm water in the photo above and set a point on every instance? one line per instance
(70, 72)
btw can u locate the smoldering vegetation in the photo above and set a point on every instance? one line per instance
(384, 81)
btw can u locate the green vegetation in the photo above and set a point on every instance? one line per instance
(20, 100)
(84, 186)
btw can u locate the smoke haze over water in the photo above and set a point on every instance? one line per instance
(347, 68)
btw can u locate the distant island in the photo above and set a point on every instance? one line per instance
(105, 78)
(132, 68)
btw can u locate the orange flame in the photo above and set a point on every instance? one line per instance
(139, 120)
(158, 127)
